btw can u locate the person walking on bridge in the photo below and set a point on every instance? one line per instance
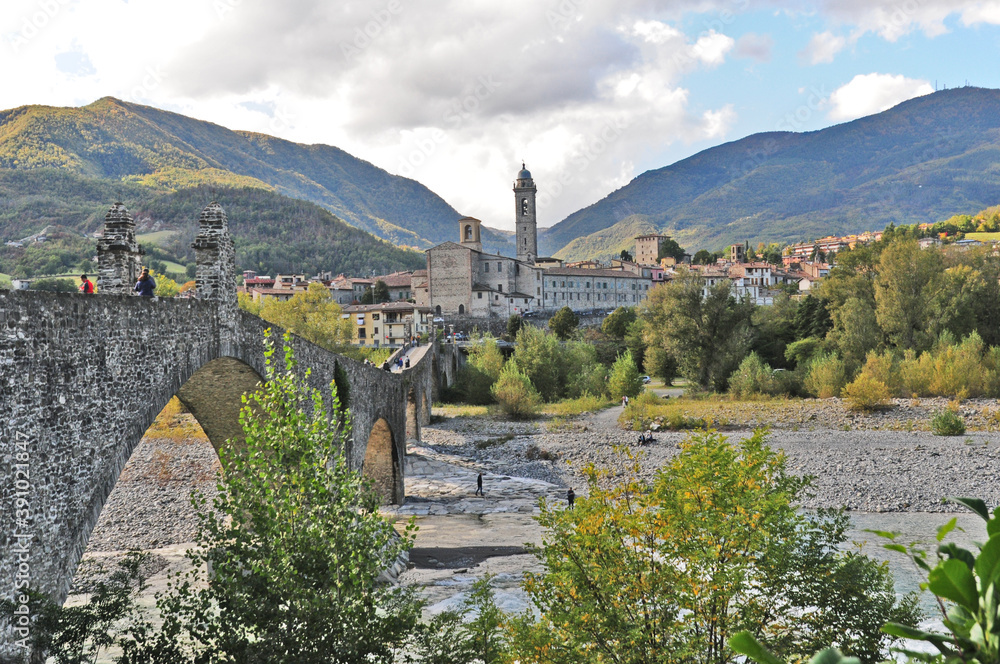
(146, 284)
(86, 285)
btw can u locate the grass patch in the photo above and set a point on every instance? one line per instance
(578, 406)
(158, 238)
(176, 423)
(460, 410)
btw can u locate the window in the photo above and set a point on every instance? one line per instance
(480, 295)
(376, 331)
(538, 291)
(524, 206)
(499, 266)
(562, 283)
(486, 267)
(361, 333)
(374, 316)
(461, 309)
(538, 276)
(468, 232)
(500, 287)
(588, 285)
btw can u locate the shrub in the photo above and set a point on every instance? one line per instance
(515, 393)
(753, 377)
(826, 377)
(624, 379)
(947, 423)
(884, 368)
(867, 394)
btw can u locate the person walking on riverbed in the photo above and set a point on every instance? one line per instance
(570, 498)
(479, 486)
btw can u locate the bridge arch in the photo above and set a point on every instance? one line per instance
(382, 460)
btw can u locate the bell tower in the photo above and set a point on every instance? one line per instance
(525, 221)
(469, 233)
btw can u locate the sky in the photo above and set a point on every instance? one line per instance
(455, 94)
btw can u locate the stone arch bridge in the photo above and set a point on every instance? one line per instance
(83, 376)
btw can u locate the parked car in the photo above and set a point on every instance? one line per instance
(438, 320)
(646, 380)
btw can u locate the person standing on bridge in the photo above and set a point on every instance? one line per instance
(146, 284)
(86, 285)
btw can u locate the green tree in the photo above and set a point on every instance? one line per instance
(635, 341)
(703, 257)
(311, 314)
(165, 286)
(380, 292)
(624, 378)
(855, 331)
(625, 255)
(669, 247)
(5, 282)
(54, 285)
(708, 335)
(513, 390)
(617, 322)
(295, 543)
(907, 278)
(514, 323)
(368, 296)
(540, 357)
(667, 572)
(564, 323)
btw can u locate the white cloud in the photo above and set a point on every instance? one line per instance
(866, 94)
(711, 49)
(892, 19)
(822, 48)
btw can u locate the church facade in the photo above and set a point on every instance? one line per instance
(464, 280)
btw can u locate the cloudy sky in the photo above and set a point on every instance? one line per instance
(590, 93)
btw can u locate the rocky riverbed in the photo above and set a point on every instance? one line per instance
(875, 467)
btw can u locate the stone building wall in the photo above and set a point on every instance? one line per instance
(450, 275)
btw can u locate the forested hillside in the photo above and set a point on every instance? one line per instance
(921, 161)
(272, 233)
(112, 140)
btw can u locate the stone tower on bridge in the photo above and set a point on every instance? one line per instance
(119, 256)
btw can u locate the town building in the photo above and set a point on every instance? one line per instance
(387, 324)
(647, 248)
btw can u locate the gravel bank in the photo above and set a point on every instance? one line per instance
(874, 467)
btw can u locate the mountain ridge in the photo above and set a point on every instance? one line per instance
(117, 140)
(921, 161)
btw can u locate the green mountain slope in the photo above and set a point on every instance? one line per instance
(273, 233)
(130, 143)
(921, 161)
